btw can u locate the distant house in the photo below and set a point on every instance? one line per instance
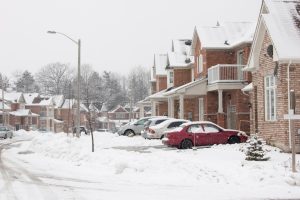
(275, 66)
(19, 116)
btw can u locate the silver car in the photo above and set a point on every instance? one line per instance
(133, 128)
(5, 132)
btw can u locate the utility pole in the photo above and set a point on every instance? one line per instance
(78, 43)
(2, 87)
(78, 92)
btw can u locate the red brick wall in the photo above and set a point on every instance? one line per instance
(182, 76)
(162, 109)
(34, 109)
(274, 132)
(191, 106)
(161, 83)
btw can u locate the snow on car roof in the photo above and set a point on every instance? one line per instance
(168, 121)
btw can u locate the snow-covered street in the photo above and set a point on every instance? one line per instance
(55, 166)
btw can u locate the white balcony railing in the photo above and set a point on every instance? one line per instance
(226, 73)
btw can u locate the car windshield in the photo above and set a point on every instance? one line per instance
(2, 128)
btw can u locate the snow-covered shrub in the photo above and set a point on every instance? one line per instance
(255, 149)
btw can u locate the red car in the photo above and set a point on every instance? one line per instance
(202, 133)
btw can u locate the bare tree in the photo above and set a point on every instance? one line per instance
(138, 83)
(88, 92)
(54, 78)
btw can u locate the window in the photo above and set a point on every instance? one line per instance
(120, 115)
(209, 128)
(239, 58)
(270, 98)
(171, 77)
(175, 124)
(195, 128)
(200, 63)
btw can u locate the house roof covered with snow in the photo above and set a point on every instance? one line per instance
(23, 113)
(180, 56)
(68, 103)
(14, 97)
(226, 35)
(6, 107)
(46, 102)
(29, 97)
(58, 100)
(160, 63)
(118, 108)
(282, 20)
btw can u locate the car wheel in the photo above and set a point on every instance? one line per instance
(162, 137)
(129, 133)
(186, 144)
(5, 136)
(234, 140)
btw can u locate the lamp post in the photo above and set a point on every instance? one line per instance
(78, 43)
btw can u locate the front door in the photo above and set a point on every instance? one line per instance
(231, 116)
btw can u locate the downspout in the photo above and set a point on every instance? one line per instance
(288, 79)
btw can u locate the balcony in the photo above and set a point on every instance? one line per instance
(226, 73)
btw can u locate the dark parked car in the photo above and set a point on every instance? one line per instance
(202, 133)
(82, 130)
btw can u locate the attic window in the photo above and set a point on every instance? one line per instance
(270, 50)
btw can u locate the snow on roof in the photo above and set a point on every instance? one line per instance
(46, 102)
(160, 63)
(182, 46)
(58, 121)
(83, 107)
(158, 95)
(12, 96)
(181, 53)
(183, 88)
(179, 60)
(29, 97)
(117, 108)
(248, 88)
(92, 107)
(23, 113)
(104, 108)
(282, 21)
(226, 35)
(68, 103)
(6, 107)
(58, 100)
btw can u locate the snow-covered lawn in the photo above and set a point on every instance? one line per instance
(137, 168)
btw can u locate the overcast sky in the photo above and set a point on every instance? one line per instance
(116, 34)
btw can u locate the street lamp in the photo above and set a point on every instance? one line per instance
(78, 43)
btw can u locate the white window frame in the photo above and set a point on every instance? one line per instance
(171, 77)
(200, 63)
(201, 109)
(240, 57)
(270, 91)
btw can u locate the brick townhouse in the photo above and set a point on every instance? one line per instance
(18, 116)
(178, 67)
(212, 88)
(275, 65)
(158, 82)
